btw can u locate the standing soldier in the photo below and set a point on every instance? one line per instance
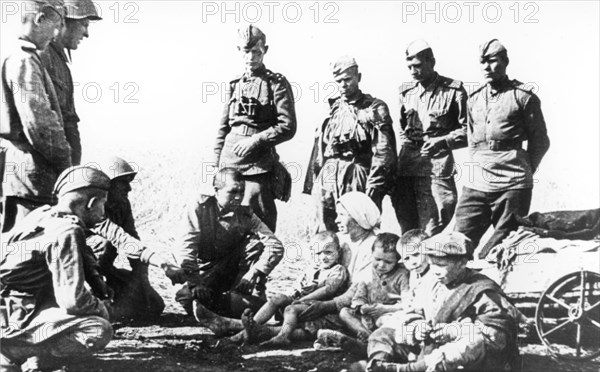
(79, 13)
(433, 119)
(31, 122)
(355, 148)
(502, 115)
(260, 114)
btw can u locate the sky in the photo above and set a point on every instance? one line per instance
(153, 73)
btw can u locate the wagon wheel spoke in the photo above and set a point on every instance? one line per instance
(556, 328)
(578, 352)
(582, 290)
(593, 321)
(592, 307)
(558, 301)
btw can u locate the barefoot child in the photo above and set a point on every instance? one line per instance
(380, 291)
(324, 282)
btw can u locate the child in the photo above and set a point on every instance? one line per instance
(378, 292)
(325, 282)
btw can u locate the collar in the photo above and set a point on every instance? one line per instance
(423, 273)
(258, 72)
(500, 87)
(359, 97)
(61, 51)
(26, 44)
(434, 83)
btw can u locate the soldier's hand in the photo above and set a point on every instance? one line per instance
(248, 282)
(443, 333)
(422, 330)
(100, 288)
(176, 274)
(246, 146)
(432, 146)
(375, 310)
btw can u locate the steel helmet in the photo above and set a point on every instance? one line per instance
(116, 167)
(81, 9)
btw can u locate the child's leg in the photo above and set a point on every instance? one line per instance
(354, 323)
(290, 321)
(270, 308)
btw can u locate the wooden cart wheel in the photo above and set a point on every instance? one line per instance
(568, 316)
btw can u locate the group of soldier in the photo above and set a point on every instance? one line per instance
(64, 224)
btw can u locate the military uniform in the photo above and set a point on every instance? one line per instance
(478, 322)
(500, 184)
(55, 61)
(46, 309)
(217, 249)
(261, 106)
(32, 126)
(425, 195)
(354, 150)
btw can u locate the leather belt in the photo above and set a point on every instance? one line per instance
(244, 130)
(500, 145)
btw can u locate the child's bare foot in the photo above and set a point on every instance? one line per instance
(277, 341)
(249, 326)
(219, 325)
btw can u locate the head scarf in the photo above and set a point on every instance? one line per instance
(362, 209)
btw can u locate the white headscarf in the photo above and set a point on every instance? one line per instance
(362, 209)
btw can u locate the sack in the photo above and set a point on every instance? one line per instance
(281, 182)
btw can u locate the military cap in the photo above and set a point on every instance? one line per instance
(342, 64)
(416, 47)
(249, 36)
(81, 9)
(491, 48)
(80, 177)
(449, 244)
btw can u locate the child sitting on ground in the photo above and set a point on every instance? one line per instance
(326, 281)
(380, 291)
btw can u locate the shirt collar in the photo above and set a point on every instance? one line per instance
(27, 45)
(432, 86)
(61, 52)
(259, 71)
(501, 87)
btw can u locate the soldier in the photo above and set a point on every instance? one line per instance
(226, 251)
(355, 147)
(433, 119)
(462, 319)
(47, 312)
(79, 13)
(134, 297)
(260, 114)
(31, 123)
(502, 115)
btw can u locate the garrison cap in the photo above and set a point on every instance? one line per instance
(249, 36)
(490, 48)
(342, 64)
(416, 47)
(80, 177)
(449, 244)
(81, 9)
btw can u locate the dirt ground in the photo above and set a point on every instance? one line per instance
(176, 343)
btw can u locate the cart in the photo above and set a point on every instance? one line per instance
(556, 284)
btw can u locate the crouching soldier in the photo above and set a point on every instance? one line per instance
(47, 312)
(226, 251)
(464, 320)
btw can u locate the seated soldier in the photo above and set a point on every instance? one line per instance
(226, 251)
(134, 297)
(463, 320)
(47, 312)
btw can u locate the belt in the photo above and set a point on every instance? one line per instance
(500, 145)
(244, 130)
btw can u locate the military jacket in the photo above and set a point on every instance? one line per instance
(499, 122)
(37, 149)
(260, 104)
(361, 132)
(42, 267)
(438, 110)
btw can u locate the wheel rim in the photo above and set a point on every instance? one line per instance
(568, 316)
